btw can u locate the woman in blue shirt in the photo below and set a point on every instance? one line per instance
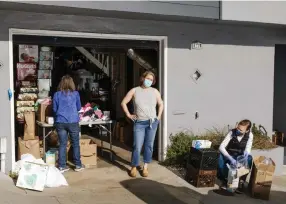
(66, 104)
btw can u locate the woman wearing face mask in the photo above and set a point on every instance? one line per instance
(146, 120)
(238, 142)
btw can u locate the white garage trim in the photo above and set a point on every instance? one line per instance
(162, 86)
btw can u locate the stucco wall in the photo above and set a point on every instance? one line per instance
(237, 64)
(5, 118)
(200, 9)
(254, 11)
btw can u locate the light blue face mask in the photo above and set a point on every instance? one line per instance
(148, 83)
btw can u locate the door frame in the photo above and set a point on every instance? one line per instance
(163, 40)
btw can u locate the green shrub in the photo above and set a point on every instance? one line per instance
(179, 148)
(180, 143)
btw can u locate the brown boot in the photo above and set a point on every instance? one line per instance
(133, 172)
(145, 172)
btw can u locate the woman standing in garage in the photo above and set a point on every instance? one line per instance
(66, 104)
(146, 119)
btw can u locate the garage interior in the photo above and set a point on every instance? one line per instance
(114, 66)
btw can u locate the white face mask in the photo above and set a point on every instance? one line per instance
(147, 83)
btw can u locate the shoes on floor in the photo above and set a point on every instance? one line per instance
(133, 172)
(240, 188)
(79, 168)
(145, 172)
(63, 169)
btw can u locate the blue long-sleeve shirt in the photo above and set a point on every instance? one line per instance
(66, 106)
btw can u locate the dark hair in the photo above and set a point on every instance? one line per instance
(245, 122)
(22, 55)
(145, 74)
(66, 84)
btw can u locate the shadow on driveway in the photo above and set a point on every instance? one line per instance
(153, 192)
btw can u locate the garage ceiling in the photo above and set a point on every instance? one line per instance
(84, 42)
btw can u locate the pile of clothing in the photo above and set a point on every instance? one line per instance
(89, 113)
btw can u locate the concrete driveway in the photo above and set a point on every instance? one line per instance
(109, 184)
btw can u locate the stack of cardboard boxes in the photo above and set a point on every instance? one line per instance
(29, 143)
(88, 151)
(261, 177)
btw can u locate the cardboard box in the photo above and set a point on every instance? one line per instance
(44, 111)
(88, 152)
(29, 147)
(261, 178)
(51, 157)
(242, 171)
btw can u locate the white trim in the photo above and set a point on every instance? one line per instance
(160, 132)
(15, 31)
(165, 87)
(12, 108)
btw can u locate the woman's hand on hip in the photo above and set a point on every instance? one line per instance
(132, 117)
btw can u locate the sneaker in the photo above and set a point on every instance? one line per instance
(79, 168)
(63, 169)
(223, 184)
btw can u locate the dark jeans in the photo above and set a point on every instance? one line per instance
(223, 170)
(144, 132)
(63, 129)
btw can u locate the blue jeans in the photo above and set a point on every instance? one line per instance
(144, 132)
(63, 129)
(223, 170)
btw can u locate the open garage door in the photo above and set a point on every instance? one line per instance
(85, 42)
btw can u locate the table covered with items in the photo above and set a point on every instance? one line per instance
(103, 125)
(202, 167)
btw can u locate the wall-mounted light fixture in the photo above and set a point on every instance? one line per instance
(196, 45)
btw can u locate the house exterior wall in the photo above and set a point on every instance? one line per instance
(254, 11)
(237, 68)
(200, 9)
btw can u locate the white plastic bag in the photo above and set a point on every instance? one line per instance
(32, 176)
(232, 179)
(27, 157)
(55, 178)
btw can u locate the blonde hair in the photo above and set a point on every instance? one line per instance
(66, 84)
(145, 74)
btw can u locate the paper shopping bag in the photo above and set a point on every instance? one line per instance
(29, 128)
